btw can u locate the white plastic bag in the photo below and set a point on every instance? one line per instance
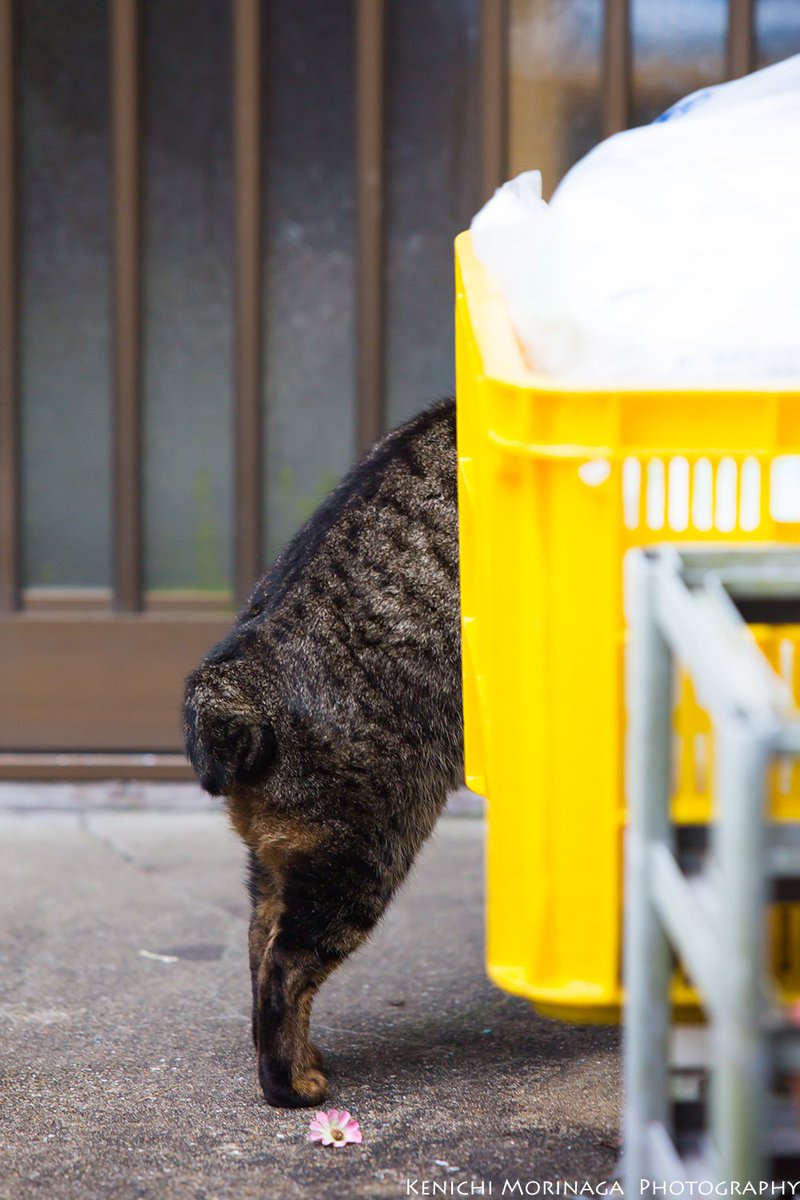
(508, 234)
(671, 253)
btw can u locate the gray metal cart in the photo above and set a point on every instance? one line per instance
(705, 906)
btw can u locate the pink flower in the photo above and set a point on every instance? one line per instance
(334, 1128)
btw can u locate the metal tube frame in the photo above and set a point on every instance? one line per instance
(647, 953)
(681, 607)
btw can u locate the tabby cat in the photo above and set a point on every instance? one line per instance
(330, 719)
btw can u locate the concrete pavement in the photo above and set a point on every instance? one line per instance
(126, 1075)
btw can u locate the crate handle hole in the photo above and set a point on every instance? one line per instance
(595, 472)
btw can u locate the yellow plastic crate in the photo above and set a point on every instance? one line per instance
(556, 483)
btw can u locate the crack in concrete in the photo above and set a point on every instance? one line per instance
(203, 905)
(84, 821)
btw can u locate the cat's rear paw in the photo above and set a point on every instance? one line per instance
(306, 1089)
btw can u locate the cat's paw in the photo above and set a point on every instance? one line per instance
(310, 1086)
(306, 1089)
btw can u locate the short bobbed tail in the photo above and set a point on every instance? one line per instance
(228, 741)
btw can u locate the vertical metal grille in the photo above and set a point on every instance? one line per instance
(616, 71)
(248, 456)
(493, 95)
(127, 306)
(740, 55)
(373, 56)
(9, 416)
(371, 91)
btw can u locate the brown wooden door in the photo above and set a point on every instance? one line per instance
(88, 693)
(225, 268)
(225, 244)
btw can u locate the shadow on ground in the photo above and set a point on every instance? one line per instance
(124, 1075)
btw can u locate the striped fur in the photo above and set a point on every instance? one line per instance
(330, 719)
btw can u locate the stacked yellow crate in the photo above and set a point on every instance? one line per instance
(556, 483)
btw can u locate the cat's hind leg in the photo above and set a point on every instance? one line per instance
(330, 903)
(289, 1067)
(265, 906)
(260, 938)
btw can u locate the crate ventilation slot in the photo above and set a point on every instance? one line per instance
(677, 495)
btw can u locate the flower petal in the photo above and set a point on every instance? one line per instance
(325, 1126)
(320, 1127)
